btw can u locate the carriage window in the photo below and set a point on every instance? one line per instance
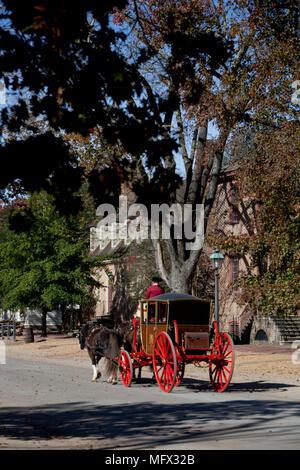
(190, 313)
(162, 313)
(157, 312)
(151, 312)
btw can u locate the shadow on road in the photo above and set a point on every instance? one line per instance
(257, 386)
(196, 385)
(148, 424)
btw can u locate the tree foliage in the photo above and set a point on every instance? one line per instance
(63, 62)
(219, 66)
(45, 266)
(269, 175)
(170, 82)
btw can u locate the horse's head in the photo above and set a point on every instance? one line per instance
(125, 334)
(123, 328)
(82, 335)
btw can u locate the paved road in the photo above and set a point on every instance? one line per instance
(56, 406)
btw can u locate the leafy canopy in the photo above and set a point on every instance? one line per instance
(46, 265)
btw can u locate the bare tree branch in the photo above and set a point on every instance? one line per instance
(159, 260)
(192, 191)
(184, 153)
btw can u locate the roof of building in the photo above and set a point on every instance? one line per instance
(120, 249)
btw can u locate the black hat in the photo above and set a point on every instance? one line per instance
(156, 279)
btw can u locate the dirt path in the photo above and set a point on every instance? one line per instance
(269, 361)
(49, 402)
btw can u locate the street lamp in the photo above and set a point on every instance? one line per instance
(217, 260)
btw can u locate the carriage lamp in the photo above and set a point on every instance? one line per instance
(216, 259)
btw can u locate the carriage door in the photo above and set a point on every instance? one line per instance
(154, 321)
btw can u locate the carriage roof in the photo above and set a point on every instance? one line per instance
(184, 308)
(174, 297)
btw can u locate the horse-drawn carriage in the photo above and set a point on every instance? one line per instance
(174, 330)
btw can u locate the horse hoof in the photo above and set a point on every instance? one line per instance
(94, 381)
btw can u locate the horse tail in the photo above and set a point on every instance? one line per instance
(110, 368)
(112, 349)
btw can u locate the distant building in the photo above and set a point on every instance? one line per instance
(32, 317)
(232, 216)
(112, 289)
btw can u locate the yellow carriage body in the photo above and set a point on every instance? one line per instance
(185, 317)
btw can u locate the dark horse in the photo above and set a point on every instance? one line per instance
(101, 342)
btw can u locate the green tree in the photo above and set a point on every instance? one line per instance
(45, 266)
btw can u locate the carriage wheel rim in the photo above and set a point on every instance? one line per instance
(164, 362)
(221, 369)
(126, 369)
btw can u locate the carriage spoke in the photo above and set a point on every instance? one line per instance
(160, 347)
(169, 382)
(225, 347)
(215, 372)
(228, 354)
(159, 354)
(164, 374)
(224, 375)
(220, 377)
(164, 347)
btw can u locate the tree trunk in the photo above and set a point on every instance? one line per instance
(180, 280)
(44, 322)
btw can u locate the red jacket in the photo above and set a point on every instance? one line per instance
(153, 291)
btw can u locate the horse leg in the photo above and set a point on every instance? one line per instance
(111, 371)
(153, 380)
(94, 366)
(139, 377)
(98, 371)
(114, 378)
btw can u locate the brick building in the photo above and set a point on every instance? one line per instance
(232, 216)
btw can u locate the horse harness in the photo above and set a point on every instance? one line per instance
(99, 349)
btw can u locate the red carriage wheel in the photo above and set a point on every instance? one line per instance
(221, 364)
(164, 362)
(125, 367)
